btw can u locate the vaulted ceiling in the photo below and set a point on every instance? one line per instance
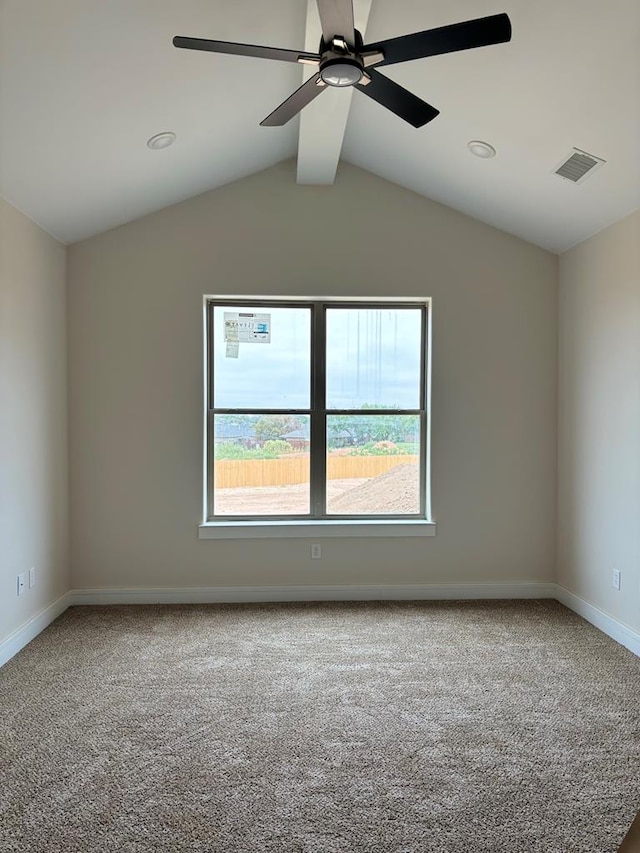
(85, 83)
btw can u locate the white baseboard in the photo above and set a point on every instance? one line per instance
(19, 639)
(618, 631)
(254, 594)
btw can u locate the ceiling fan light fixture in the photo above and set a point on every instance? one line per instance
(341, 72)
(481, 149)
(161, 140)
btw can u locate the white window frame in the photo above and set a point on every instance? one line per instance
(267, 527)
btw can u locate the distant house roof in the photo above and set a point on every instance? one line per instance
(338, 433)
(224, 430)
(296, 435)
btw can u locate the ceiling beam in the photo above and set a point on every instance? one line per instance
(323, 122)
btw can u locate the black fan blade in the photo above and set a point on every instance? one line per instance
(246, 50)
(336, 17)
(397, 99)
(294, 103)
(477, 33)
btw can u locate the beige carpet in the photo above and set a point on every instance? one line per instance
(482, 727)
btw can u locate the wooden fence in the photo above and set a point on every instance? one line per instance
(287, 471)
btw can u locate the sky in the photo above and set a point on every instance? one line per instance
(373, 357)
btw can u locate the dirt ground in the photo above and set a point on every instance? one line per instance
(276, 500)
(396, 491)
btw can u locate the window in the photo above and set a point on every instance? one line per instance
(316, 410)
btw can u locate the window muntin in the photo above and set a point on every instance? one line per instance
(329, 400)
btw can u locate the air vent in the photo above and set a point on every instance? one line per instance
(578, 165)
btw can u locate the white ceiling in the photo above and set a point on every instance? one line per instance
(84, 84)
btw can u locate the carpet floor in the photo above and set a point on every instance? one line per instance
(487, 727)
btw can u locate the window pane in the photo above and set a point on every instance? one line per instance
(261, 357)
(261, 464)
(373, 464)
(373, 358)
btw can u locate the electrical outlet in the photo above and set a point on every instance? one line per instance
(32, 578)
(21, 584)
(616, 579)
(316, 552)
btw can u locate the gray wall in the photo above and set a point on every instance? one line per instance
(599, 420)
(33, 418)
(135, 338)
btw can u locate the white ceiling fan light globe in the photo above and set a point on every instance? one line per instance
(341, 74)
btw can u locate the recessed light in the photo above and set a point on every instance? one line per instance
(161, 140)
(481, 149)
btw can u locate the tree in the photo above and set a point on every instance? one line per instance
(240, 420)
(362, 429)
(272, 427)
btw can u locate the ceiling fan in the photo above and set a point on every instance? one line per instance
(343, 60)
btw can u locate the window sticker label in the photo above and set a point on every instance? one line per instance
(233, 349)
(247, 328)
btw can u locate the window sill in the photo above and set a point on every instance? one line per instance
(314, 529)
